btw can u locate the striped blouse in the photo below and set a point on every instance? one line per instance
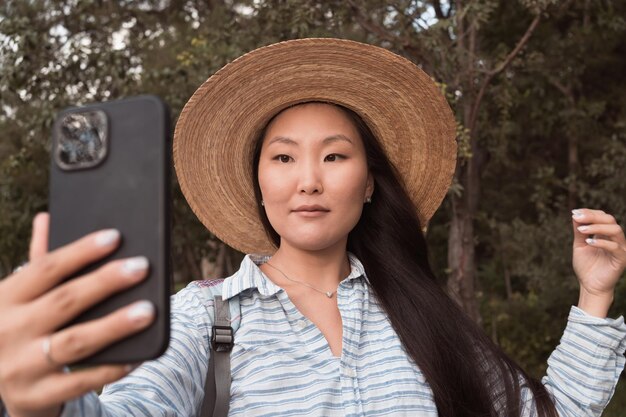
(282, 364)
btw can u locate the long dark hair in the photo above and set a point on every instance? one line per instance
(469, 375)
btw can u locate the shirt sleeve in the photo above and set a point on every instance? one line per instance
(585, 367)
(169, 386)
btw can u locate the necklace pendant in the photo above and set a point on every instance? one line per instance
(329, 294)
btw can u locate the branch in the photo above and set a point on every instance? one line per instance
(368, 24)
(503, 65)
(411, 18)
(565, 90)
(518, 47)
(413, 15)
(461, 35)
(438, 11)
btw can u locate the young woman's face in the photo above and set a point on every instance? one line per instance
(312, 155)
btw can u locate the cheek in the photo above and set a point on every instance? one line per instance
(350, 182)
(348, 192)
(275, 195)
(274, 185)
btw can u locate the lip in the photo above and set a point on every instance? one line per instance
(314, 213)
(311, 208)
(311, 211)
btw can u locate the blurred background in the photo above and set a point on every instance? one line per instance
(537, 86)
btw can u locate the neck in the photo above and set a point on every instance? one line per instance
(323, 269)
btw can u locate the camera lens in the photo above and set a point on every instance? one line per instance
(82, 139)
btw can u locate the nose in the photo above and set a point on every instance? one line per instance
(310, 180)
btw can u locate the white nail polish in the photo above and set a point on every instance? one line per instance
(577, 213)
(141, 311)
(583, 228)
(107, 237)
(590, 241)
(136, 264)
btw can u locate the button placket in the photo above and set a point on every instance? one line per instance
(346, 294)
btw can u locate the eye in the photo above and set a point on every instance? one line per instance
(334, 156)
(282, 158)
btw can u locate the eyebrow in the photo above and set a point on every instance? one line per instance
(329, 139)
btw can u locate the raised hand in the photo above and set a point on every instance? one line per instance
(599, 255)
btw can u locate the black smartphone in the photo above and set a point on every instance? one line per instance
(110, 168)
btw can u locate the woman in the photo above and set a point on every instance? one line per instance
(329, 157)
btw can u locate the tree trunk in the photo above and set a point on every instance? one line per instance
(461, 260)
(572, 159)
(461, 282)
(505, 266)
(461, 254)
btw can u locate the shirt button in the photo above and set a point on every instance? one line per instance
(301, 324)
(351, 372)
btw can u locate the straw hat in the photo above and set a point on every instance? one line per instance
(213, 139)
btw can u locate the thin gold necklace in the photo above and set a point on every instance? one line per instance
(328, 294)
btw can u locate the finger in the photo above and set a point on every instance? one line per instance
(47, 271)
(66, 301)
(588, 216)
(59, 388)
(607, 245)
(39, 239)
(585, 216)
(604, 231)
(82, 340)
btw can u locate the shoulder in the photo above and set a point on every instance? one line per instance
(196, 300)
(200, 291)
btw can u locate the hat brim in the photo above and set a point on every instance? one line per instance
(214, 135)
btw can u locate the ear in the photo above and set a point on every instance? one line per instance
(369, 185)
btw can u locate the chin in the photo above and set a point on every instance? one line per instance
(310, 245)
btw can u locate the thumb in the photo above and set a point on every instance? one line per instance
(39, 239)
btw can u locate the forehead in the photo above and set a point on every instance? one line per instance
(312, 121)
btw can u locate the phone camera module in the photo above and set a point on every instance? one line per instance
(82, 140)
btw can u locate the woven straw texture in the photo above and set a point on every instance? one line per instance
(213, 139)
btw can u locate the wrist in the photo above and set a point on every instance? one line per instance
(595, 304)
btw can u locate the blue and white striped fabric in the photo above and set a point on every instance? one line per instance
(282, 365)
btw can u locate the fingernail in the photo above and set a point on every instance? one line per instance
(141, 311)
(577, 213)
(39, 217)
(583, 228)
(107, 237)
(590, 241)
(134, 265)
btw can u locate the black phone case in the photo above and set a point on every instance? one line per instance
(128, 191)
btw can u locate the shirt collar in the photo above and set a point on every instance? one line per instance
(250, 275)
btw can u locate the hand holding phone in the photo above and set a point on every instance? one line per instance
(101, 294)
(35, 303)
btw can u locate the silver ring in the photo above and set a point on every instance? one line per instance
(45, 346)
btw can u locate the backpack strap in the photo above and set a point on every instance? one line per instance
(218, 379)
